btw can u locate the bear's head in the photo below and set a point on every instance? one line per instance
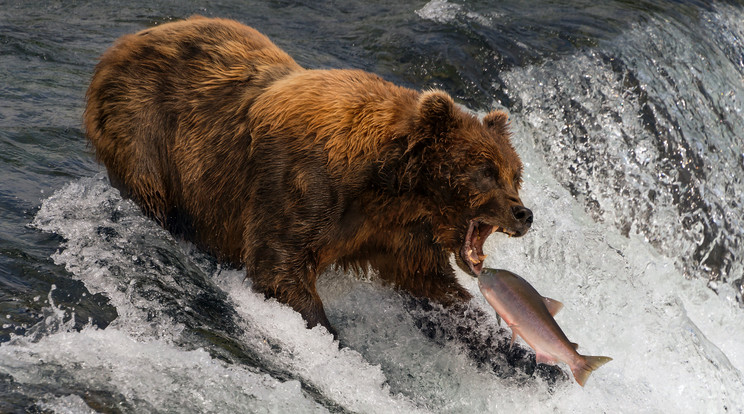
(471, 175)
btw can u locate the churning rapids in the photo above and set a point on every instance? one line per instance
(628, 119)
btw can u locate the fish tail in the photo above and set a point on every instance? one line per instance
(586, 366)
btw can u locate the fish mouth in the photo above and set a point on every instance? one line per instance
(472, 249)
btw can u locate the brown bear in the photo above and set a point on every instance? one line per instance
(221, 136)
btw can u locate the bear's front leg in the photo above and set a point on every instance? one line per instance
(291, 286)
(436, 281)
(438, 285)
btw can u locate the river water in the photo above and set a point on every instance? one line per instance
(627, 115)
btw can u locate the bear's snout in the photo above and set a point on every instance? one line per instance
(523, 215)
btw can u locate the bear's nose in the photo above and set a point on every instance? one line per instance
(523, 215)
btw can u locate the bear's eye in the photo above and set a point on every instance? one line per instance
(490, 172)
(487, 177)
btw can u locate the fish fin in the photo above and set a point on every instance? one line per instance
(590, 363)
(575, 345)
(553, 305)
(514, 336)
(544, 359)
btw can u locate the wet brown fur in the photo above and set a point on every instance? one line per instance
(220, 136)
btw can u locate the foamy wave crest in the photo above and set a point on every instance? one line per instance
(647, 136)
(166, 293)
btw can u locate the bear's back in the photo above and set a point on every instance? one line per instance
(167, 112)
(195, 66)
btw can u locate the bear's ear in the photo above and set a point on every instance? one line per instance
(497, 121)
(436, 111)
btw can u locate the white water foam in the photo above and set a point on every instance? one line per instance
(648, 136)
(106, 265)
(68, 404)
(342, 375)
(148, 375)
(444, 12)
(82, 212)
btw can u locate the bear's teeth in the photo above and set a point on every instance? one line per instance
(482, 257)
(472, 257)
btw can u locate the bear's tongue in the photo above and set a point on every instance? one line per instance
(472, 249)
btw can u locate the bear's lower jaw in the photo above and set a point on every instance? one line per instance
(472, 248)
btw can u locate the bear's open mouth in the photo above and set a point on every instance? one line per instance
(472, 249)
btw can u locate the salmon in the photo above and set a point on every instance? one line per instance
(530, 316)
